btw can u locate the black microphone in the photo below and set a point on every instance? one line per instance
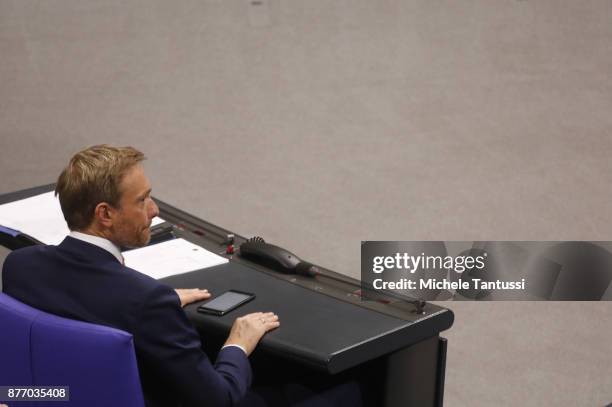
(307, 269)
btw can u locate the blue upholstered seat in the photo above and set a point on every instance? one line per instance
(98, 363)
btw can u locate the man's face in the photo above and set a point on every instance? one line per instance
(136, 210)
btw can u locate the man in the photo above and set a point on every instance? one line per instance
(106, 200)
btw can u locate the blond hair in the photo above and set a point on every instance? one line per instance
(93, 176)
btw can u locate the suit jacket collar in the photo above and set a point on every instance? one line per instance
(100, 242)
(85, 250)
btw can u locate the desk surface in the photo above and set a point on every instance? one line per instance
(323, 323)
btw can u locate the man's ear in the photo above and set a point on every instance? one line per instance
(104, 214)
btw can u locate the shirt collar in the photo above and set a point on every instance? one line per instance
(100, 242)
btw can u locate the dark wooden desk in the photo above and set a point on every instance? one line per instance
(326, 326)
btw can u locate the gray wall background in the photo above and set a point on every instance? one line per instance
(318, 124)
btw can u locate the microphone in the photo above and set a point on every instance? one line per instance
(304, 268)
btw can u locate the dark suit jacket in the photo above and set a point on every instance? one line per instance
(81, 281)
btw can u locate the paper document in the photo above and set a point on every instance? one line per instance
(171, 257)
(156, 221)
(40, 217)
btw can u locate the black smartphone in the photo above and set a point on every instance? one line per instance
(226, 302)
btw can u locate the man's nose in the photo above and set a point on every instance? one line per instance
(154, 210)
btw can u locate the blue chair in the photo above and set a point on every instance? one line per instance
(98, 363)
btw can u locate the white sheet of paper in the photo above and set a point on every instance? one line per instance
(156, 221)
(176, 256)
(40, 217)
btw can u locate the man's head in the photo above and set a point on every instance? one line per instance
(104, 191)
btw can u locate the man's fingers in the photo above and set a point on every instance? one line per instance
(198, 294)
(189, 295)
(268, 318)
(271, 325)
(190, 290)
(254, 315)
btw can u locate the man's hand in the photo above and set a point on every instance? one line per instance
(189, 295)
(248, 330)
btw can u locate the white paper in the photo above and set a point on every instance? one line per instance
(156, 221)
(176, 256)
(40, 217)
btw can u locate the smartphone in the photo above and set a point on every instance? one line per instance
(226, 302)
